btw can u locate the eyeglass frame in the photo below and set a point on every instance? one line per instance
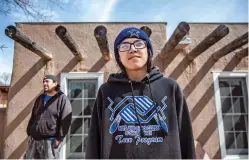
(132, 44)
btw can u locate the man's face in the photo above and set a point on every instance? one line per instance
(133, 53)
(49, 85)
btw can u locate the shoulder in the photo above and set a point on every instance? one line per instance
(39, 97)
(62, 96)
(170, 81)
(105, 86)
(107, 89)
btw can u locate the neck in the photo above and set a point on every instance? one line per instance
(136, 75)
(51, 93)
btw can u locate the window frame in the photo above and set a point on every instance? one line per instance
(216, 76)
(64, 88)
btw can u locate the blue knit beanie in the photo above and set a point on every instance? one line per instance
(132, 32)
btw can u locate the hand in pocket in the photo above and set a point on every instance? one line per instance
(56, 143)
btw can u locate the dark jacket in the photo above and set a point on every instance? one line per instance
(51, 120)
(140, 119)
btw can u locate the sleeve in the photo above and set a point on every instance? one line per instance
(31, 120)
(65, 118)
(185, 126)
(93, 148)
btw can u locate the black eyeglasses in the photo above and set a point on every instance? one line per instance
(126, 46)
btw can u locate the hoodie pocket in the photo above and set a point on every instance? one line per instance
(50, 126)
(46, 128)
(47, 125)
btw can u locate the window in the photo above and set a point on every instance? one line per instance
(231, 97)
(81, 89)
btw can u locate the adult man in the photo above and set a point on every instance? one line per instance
(50, 121)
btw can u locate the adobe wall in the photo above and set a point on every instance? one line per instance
(196, 80)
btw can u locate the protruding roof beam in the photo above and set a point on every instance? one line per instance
(238, 42)
(220, 32)
(181, 30)
(24, 40)
(64, 35)
(100, 33)
(147, 30)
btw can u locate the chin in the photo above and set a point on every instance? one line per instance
(135, 67)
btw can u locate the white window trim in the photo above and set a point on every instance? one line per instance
(216, 76)
(64, 82)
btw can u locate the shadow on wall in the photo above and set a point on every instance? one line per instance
(19, 118)
(25, 78)
(19, 151)
(163, 64)
(98, 65)
(15, 89)
(206, 97)
(202, 139)
(200, 152)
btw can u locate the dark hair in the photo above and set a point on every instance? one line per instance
(122, 67)
(57, 87)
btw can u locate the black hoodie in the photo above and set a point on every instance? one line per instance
(52, 119)
(160, 111)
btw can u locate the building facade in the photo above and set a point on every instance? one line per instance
(214, 81)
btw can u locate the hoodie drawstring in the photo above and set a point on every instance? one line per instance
(159, 121)
(134, 103)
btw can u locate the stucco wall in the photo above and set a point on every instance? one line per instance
(196, 80)
(2, 120)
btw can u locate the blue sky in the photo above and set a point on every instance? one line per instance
(170, 11)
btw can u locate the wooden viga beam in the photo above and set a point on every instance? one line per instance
(147, 30)
(64, 35)
(220, 32)
(100, 33)
(238, 42)
(18, 36)
(242, 53)
(181, 30)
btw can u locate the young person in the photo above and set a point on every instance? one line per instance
(139, 113)
(49, 123)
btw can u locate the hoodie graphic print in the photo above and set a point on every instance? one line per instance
(137, 110)
(140, 119)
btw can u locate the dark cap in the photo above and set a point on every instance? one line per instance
(50, 76)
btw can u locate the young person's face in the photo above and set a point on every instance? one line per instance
(133, 53)
(49, 85)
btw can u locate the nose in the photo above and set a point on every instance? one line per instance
(132, 49)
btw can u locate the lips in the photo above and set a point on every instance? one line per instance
(134, 57)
